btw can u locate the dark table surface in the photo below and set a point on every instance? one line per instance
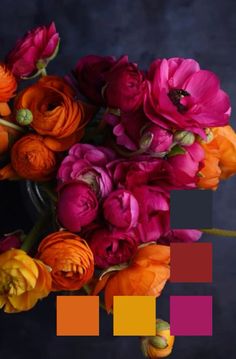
(144, 29)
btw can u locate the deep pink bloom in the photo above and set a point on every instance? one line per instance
(186, 166)
(111, 247)
(89, 72)
(180, 235)
(77, 206)
(12, 240)
(127, 128)
(121, 209)
(154, 212)
(87, 163)
(125, 86)
(156, 139)
(183, 96)
(37, 46)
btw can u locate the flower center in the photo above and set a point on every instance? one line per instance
(175, 96)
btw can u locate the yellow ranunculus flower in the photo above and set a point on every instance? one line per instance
(161, 345)
(23, 280)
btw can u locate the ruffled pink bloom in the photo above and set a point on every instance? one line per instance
(127, 128)
(12, 240)
(186, 166)
(89, 73)
(154, 212)
(37, 46)
(183, 96)
(111, 247)
(156, 139)
(77, 206)
(121, 209)
(87, 163)
(125, 86)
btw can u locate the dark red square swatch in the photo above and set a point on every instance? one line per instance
(191, 262)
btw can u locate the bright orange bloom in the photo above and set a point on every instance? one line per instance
(56, 113)
(70, 258)
(31, 158)
(23, 281)
(8, 87)
(146, 275)
(220, 157)
(7, 137)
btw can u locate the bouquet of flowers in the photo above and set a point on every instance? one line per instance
(106, 143)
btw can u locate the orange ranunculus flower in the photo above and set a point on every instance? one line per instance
(70, 258)
(160, 345)
(146, 275)
(8, 136)
(56, 113)
(32, 159)
(220, 157)
(23, 281)
(8, 87)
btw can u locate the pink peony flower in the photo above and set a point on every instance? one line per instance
(125, 86)
(127, 128)
(11, 240)
(156, 139)
(154, 212)
(180, 95)
(33, 51)
(89, 73)
(87, 163)
(112, 247)
(186, 166)
(77, 206)
(121, 209)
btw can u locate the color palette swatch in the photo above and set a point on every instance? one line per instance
(77, 316)
(191, 209)
(191, 262)
(191, 315)
(134, 315)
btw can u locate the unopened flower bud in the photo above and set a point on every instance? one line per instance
(209, 136)
(146, 140)
(24, 117)
(184, 138)
(159, 346)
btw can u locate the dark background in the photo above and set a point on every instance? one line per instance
(144, 29)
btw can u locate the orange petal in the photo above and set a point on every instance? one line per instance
(8, 172)
(4, 109)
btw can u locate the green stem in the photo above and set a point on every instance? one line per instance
(44, 72)
(219, 232)
(34, 234)
(11, 125)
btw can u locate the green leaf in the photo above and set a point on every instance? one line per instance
(176, 150)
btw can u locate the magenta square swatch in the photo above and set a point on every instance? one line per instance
(191, 315)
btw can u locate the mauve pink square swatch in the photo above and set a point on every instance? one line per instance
(191, 315)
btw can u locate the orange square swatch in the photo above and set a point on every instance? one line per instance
(134, 315)
(191, 262)
(77, 315)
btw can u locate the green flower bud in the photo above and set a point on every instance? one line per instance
(184, 138)
(24, 117)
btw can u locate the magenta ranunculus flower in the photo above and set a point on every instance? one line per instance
(125, 86)
(111, 247)
(156, 139)
(77, 206)
(33, 51)
(127, 128)
(186, 166)
(183, 96)
(121, 209)
(87, 163)
(89, 73)
(11, 240)
(154, 212)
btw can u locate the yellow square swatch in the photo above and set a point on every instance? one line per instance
(134, 315)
